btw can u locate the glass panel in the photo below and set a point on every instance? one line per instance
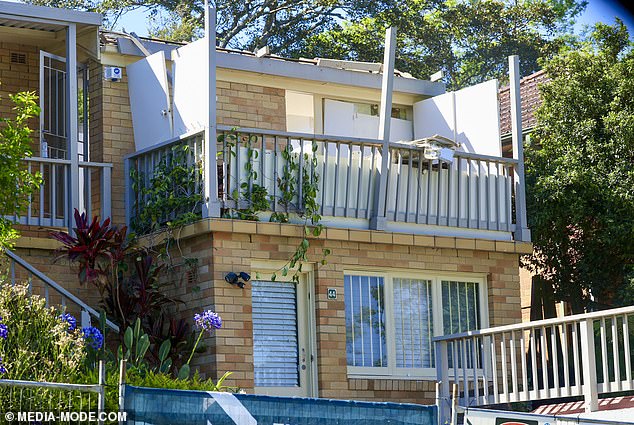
(365, 321)
(461, 306)
(461, 313)
(275, 343)
(413, 323)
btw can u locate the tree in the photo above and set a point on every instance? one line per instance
(580, 172)
(469, 40)
(16, 182)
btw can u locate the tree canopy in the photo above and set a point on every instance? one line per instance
(467, 39)
(580, 172)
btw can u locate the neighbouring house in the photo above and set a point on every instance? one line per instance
(424, 237)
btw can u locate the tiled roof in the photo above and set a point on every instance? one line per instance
(529, 91)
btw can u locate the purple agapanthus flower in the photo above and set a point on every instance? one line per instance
(93, 337)
(4, 331)
(68, 318)
(208, 321)
(3, 369)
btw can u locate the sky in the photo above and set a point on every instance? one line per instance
(597, 11)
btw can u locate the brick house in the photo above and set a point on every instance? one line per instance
(426, 248)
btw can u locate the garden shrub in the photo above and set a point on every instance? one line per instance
(37, 344)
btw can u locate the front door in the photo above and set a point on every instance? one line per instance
(283, 355)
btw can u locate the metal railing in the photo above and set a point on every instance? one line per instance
(580, 355)
(56, 398)
(144, 168)
(49, 206)
(472, 192)
(49, 289)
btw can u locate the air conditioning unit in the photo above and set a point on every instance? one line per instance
(112, 73)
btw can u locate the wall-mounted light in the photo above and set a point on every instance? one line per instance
(238, 279)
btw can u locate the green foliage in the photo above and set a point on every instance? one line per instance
(151, 379)
(172, 196)
(469, 40)
(16, 182)
(39, 346)
(258, 199)
(580, 171)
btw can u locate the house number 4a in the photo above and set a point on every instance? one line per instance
(332, 293)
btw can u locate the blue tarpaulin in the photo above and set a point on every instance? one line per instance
(162, 407)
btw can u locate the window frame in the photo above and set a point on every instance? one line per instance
(436, 277)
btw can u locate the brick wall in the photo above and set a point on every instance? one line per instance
(221, 246)
(234, 246)
(16, 77)
(111, 132)
(251, 106)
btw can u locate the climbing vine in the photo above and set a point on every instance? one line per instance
(172, 195)
(259, 200)
(168, 197)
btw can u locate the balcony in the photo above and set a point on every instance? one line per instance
(471, 196)
(583, 355)
(48, 51)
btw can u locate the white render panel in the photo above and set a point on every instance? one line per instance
(475, 123)
(341, 120)
(190, 102)
(149, 100)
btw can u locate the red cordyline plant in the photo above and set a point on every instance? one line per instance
(127, 277)
(98, 249)
(95, 247)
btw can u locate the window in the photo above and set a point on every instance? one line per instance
(391, 319)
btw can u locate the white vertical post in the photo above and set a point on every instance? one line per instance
(378, 220)
(588, 361)
(101, 401)
(522, 233)
(211, 207)
(72, 136)
(128, 193)
(122, 378)
(85, 319)
(442, 381)
(106, 191)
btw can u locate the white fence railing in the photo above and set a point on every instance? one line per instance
(580, 355)
(50, 205)
(473, 191)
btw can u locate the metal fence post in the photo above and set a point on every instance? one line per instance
(122, 373)
(588, 361)
(101, 402)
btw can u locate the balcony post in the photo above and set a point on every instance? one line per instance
(442, 382)
(211, 208)
(378, 220)
(588, 361)
(106, 191)
(522, 233)
(72, 136)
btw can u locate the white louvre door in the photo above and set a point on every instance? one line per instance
(281, 354)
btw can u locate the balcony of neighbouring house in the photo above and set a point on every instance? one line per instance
(579, 357)
(50, 51)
